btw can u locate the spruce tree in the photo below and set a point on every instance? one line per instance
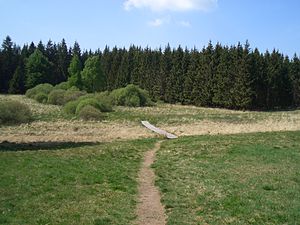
(17, 83)
(38, 70)
(92, 75)
(74, 70)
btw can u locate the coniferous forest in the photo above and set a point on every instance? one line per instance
(235, 77)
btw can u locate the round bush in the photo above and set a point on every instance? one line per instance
(131, 95)
(89, 112)
(41, 88)
(13, 112)
(56, 97)
(89, 101)
(133, 101)
(41, 98)
(72, 95)
(70, 107)
(62, 86)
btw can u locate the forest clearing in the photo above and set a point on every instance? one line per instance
(64, 170)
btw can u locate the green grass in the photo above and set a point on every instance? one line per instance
(68, 183)
(231, 179)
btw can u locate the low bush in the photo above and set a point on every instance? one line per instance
(62, 86)
(56, 97)
(70, 107)
(13, 112)
(72, 95)
(41, 88)
(131, 96)
(89, 101)
(41, 97)
(89, 112)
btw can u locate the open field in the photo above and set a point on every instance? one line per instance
(124, 123)
(67, 183)
(231, 179)
(61, 170)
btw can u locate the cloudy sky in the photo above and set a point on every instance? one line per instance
(267, 24)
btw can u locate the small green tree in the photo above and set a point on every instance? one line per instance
(74, 70)
(92, 75)
(38, 69)
(17, 83)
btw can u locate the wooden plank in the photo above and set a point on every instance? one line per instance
(159, 131)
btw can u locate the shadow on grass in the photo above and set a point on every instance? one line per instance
(35, 146)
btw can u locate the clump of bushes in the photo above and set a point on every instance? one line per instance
(89, 112)
(131, 96)
(41, 97)
(56, 97)
(62, 86)
(41, 88)
(13, 112)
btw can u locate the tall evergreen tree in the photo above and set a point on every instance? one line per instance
(92, 75)
(38, 69)
(74, 70)
(17, 83)
(9, 63)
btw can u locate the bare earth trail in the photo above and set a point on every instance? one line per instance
(150, 211)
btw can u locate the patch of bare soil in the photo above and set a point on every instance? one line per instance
(73, 131)
(150, 211)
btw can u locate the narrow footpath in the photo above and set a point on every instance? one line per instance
(150, 211)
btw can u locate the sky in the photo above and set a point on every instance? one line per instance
(266, 24)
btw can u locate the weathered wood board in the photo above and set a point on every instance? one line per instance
(159, 131)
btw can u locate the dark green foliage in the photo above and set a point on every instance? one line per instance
(41, 88)
(38, 69)
(41, 97)
(17, 83)
(56, 97)
(132, 96)
(89, 112)
(13, 112)
(217, 76)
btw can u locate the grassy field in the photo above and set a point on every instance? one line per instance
(67, 183)
(61, 170)
(231, 179)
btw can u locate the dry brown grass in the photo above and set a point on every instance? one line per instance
(125, 123)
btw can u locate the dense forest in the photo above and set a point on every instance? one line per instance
(235, 77)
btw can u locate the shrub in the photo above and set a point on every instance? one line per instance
(72, 95)
(133, 101)
(89, 112)
(131, 95)
(13, 112)
(70, 107)
(41, 97)
(41, 88)
(62, 86)
(89, 101)
(56, 97)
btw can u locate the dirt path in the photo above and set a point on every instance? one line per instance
(150, 211)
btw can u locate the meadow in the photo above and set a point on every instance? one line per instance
(226, 167)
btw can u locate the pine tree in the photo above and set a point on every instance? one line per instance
(295, 79)
(17, 83)
(9, 63)
(38, 70)
(92, 75)
(74, 70)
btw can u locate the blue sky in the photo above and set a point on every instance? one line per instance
(267, 24)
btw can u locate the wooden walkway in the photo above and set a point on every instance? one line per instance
(159, 131)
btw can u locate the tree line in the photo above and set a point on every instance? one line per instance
(235, 77)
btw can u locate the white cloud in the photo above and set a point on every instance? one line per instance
(171, 5)
(184, 23)
(159, 22)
